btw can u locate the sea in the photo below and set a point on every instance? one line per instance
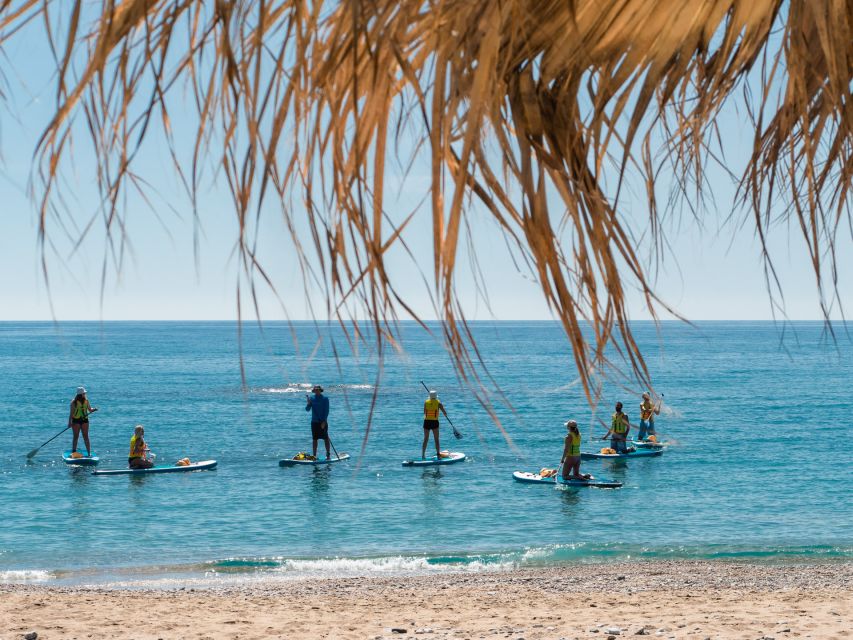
(758, 466)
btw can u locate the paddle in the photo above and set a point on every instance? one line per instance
(456, 433)
(36, 450)
(326, 431)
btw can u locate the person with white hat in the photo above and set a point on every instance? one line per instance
(319, 408)
(78, 419)
(432, 406)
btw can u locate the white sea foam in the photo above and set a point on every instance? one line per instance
(24, 575)
(305, 387)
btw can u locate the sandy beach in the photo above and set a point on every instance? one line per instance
(662, 599)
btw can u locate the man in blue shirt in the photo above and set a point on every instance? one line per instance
(319, 408)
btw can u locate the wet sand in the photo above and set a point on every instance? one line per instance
(662, 599)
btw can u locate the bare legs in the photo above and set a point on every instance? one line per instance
(426, 440)
(76, 428)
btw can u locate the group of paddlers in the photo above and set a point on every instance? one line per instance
(620, 426)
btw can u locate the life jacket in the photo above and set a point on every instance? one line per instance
(608, 451)
(136, 451)
(646, 409)
(431, 409)
(616, 424)
(574, 442)
(78, 412)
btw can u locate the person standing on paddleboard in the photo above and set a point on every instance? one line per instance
(432, 406)
(138, 456)
(648, 411)
(571, 460)
(78, 420)
(618, 432)
(319, 408)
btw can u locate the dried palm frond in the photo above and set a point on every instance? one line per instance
(535, 111)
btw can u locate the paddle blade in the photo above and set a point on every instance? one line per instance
(456, 434)
(32, 453)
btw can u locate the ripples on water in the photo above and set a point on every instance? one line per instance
(759, 469)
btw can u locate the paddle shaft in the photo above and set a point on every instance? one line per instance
(326, 431)
(456, 432)
(36, 450)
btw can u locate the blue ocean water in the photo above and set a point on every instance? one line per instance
(758, 413)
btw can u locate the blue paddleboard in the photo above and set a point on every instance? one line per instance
(645, 444)
(524, 476)
(290, 462)
(195, 466)
(85, 461)
(449, 458)
(639, 453)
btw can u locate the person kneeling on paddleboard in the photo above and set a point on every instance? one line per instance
(618, 432)
(648, 411)
(432, 406)
(319, 408)
(571, 460)
(138, 458)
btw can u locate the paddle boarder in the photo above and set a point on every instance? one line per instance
(648, 411)
(571, 460)
(319, 408)
(432, 405)
(618, 432)
(78, 420)
(138, 456)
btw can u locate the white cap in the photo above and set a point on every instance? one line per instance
(433, 395)
(571, 423)
(81, 390)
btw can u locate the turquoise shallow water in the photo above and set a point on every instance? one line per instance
(760, 468)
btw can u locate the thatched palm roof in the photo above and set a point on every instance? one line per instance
(523, 107)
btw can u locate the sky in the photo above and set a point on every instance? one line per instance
(713, 270)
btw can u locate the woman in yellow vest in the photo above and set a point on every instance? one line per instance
(432, 406)
(78, 419)
(618, 432)
(138, 457)
(571, 461)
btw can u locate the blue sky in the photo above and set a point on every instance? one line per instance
(712, 272)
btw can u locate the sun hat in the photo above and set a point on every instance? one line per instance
(433, 395)
(81, 390)
(571, 423)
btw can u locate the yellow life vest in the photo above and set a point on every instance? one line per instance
(134, 452)
(79, 411)
(616, 424)
(646, 409)
(574, 442)
(431, 409)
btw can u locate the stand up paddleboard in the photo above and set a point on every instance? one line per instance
(449, 458)
(639, 453)
(195, 466)
(85, 461)
(645, 444)
(292, 462)
(524, 476)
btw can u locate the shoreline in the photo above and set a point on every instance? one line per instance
(662, 598)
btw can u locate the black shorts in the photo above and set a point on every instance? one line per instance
(79, 421)
(139, 463)
(319, 430)
(430, 424)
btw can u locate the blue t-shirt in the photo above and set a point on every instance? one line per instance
(319, 406)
